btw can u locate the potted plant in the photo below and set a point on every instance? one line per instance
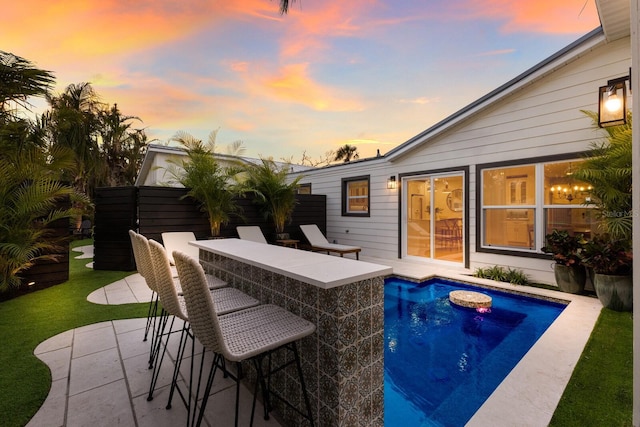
(608, 169)
(612, 261)
(565, 249)
(274, 194)
(207, 181)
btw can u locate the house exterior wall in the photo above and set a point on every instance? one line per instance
(157, 174)
(540, 118)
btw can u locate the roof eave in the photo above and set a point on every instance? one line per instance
(568, 54)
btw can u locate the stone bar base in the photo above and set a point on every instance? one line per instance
(343, 362)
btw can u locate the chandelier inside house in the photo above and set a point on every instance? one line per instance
(572, 193)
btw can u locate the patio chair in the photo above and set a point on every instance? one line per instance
(225, 300)
(179, 241)
(245, 335)
(144, 268)
(319, 243)
(252, 233)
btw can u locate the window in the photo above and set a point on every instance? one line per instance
(566, 200)
(304, 189)
(355, 196)
(509, 207)
(520, 204)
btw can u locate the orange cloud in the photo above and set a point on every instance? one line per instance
(542, 16)
(293, 84)
(421, 100)
(92, 28)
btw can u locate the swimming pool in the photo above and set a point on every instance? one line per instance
(441, 361)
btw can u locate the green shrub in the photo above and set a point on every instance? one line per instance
(500, 274)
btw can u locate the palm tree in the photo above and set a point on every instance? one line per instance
(74, 124)
(122, 148)
(19, 80)
(608, 170)
(284, 6)
(346, 153)
(30, 190)
(274, 195)
(30, 185)
(206, 180)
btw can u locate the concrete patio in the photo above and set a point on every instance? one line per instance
(100, 374)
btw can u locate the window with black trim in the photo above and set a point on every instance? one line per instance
(355, 196)
(304, 188)
(522, 203)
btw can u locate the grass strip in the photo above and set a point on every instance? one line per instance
(600, 391)
(30, 319)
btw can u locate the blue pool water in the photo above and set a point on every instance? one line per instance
(442, 361)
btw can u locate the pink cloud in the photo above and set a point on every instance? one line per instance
(541, 16)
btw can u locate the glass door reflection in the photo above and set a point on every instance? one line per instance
(435, 208)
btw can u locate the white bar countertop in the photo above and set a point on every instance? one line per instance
(321, 270)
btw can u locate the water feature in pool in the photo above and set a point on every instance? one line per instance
(443, 361)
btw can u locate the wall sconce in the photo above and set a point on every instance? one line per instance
(391, 183)
(612, 102)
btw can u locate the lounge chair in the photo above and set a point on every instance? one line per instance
(179, 241)
(319, 243)
(252, 233)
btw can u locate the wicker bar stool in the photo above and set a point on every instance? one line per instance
(225, 300)
(246, 335)
(143, 265)
(148, 272)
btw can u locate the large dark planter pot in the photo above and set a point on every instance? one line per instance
(614, 292)
(570, 279)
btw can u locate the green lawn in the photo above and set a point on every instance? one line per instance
(599, 393)
(30, 319)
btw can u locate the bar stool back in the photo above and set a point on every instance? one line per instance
(143, 267)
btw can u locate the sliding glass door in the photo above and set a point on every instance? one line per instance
(434, 217)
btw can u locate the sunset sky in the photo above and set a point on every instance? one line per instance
(371, 73)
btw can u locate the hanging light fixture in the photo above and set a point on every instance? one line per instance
(612, 102)
(572, 193)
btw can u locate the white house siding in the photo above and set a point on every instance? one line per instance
(540, 118)
(157, 174)
(377, 233)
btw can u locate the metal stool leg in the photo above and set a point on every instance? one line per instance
(157, 337)
(151, 314)
(156, 351)
(207, 389)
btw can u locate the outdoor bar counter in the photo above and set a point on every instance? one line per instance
(343, 361)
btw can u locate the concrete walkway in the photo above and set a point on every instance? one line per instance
(100, 374)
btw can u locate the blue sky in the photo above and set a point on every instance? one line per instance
(363, 72)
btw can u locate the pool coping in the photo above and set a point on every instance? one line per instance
(530, 393)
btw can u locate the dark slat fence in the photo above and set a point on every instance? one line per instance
(154, 210)
(115, 214)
